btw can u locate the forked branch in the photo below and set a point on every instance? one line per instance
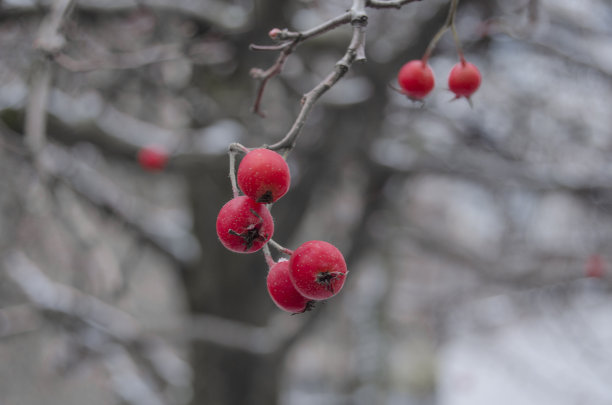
(358, 18)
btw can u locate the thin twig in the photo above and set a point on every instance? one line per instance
(36, 109)
(293, 40)
(268, 256)
(353, 53)
(265, 75)
(388, 4)
(449, 23)
(48, 41)
(327, 26)
(280, 247)
(233, 150)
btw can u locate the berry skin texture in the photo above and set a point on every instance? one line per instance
(416, 79)
(317, 270)
(282, 291)
(464, 79)
(263, 175)
(244, 226)
(152, 158)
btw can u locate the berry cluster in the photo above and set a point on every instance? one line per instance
(416, 79)
(315, 271)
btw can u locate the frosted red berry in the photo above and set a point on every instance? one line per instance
(283, 292)
(416, 78)
(263, 175)
(244, 225)
(464, 79)
(317, 270)
(152, 158)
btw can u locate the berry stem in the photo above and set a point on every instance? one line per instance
(457, 41)
(234, 149)
(268, 255)
(449, 23)
(280, 248)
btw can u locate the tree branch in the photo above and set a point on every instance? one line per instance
(388, 4)
(49, 41)
(355, 52)
(118, 329)
(226, 16)
(52, 298)
(286, 49)
(175, 242)
(36, 110)
(265, 75)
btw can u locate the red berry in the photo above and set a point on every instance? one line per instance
(317, 269)
(595, 266)
(464, 79)
(244, 225)
(416, 78)
(282, 291)
(152, 158)
(263, 175)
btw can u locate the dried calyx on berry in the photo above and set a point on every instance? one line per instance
(243, 225)
(317, 270)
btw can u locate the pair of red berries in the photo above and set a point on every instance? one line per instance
(244, 223)
(416, 79)
(316, 271)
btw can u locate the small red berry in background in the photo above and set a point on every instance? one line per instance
(263, 175)
(317, 270)
(152, 158)
(243, 225)
(416, 79)
(464, 79)
(283, 292)
(595, 266)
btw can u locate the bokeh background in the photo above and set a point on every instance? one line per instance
(478, 239)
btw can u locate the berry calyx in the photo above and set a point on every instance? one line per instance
(416, 78)
(464, 79)
(283, 292)
(243, 225)
(152, 158)
(317, 270)
(263, 175)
